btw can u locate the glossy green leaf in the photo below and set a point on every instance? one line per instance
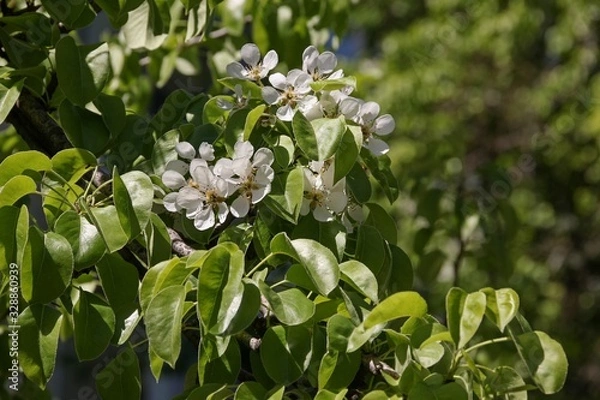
(545, 359)
(430, 354)
(72, 163)
(449, 391)
(464, 313)
(318, 139)
(283, 149)
(144, 28)
(333, 84)
(38, 341)
(319, 262)
(505, 380)
(247, 86)
(21, 53)
(93, 324)
(47, 266)
(347, 153)
(158, 241)
(252, 119)
(376, 395)
(112, 110)
(82, 71)
(164, 151)
(85, 240)
(285, 352)
(287, 192)
(8, 243)
(17, 163)
(325, 394)
(250, 391)
(8, 98)
(226, 368)
(172, 112)
(106, 219)
(83, 128)
(359, 184)
(119, 281)
(220, 288)
(337, 370)
(16, 188)
(133, 195)
(121, 378)
(381, 170)
(163, 323)
(248, 310)
(64, 11)
(398, 305)
(330, 234)
(370, 248)
(291, 306)
(385, 224)
(502, 306)
(167, 273)
(360, 278)
(402, 271)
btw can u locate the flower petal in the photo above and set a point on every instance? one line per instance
(260, 193)
(222, 212)
(189, 198)
(270, 95)
(250, 54)
(223, 168)
(269, 61)
(206, 151)
(243, 149)
(384, 125)
(305, 208)
(337, 201)
(285, 113)
(178, 166)
(326, 62)
(322, 214)
(263, 156)
(205, 219)
(369, 111)
(202, 175)
(309, 59)
(377, 146)
(240, 207)
(185, 150)
(349, 107)
(173, 179)
(236, 70)
(169, 202)
(278, 80)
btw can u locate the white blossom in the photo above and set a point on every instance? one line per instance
(240, 101)
(252, 68)
(321, 196)
(372, 125)
(353, 214)
(320, 66)
(291, 93)
(334, 103)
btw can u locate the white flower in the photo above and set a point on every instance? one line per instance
(372, 126)
(252, 175)
(252, 68)
(320, 194)
(320, 66)
(354, 213)
(291, 93)
(333, 104)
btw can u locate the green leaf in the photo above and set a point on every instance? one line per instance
(83, 128)
(38, 342)
(247, 86)
(17, 163)
(66, 12)
(325, 394)
(318, 261)
(318, 139)
(402, 271)
(464, 313)
(291, 306)
(398, 305)
(163, 323)
(106, 220)
(133, 195)
(93, 324)
(220, 289)
(119, 281)
(144, 27)
(430, 354)
(287, 192)
(47, 266)
(330, 234)
(82, 71)
(121, 378)
(502, 306)
(333, 84)
(226, 368)
(16, 188)
(158, 241)
(73, 163)
(164, 151)
(359, 184)
(172, 112)
(162, 275)
(347, 153)
(385, 224)
(9, 97)
(337, 370)
(250, 391)
(117, 10)
(545, 359)
(505, 380)
(21, 53)
(85, 240)
(252, 119)
(377, 395)
(360, 278)
(112, 110)
(8, 243)
(248, 310)
(380, 167)
(285, 352)
(370, 248)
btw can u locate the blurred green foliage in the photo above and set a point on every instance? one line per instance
(497, 145)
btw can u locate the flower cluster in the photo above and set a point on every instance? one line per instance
(202, 190)
(294, 92)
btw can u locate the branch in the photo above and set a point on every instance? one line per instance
(376, 366)
(178, 246)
